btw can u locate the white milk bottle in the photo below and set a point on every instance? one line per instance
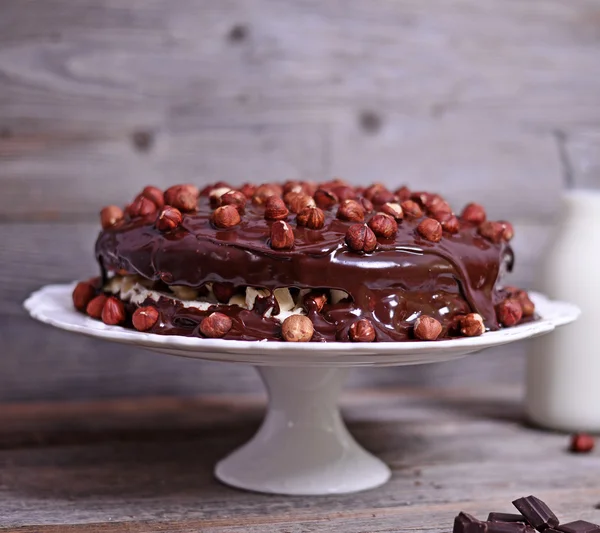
(563, 370)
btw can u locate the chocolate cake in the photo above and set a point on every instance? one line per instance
(302, 261)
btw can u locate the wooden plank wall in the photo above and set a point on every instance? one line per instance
(490, 100)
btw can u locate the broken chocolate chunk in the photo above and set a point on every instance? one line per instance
(506, 517)
(537, 513)
(579, 526)
(465, 523)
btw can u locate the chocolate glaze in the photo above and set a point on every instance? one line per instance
(404, 277)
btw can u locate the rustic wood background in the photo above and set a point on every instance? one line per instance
(490, 100)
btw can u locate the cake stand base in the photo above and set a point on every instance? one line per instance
(302, 446)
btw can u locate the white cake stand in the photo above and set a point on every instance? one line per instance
(302, 446)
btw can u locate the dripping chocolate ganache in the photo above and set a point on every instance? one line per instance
(302, 261)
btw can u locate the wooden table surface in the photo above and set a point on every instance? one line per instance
(146, 465)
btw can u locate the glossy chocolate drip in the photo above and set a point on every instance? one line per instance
(406, 275)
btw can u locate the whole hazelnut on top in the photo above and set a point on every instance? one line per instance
(300, 201)
(216, 325)
(154, 194)
(427, 328)
(275, 208)
(325, 199)
(393, 209)
(430, 230)
(508, 231)
(263, 192)
(403, 193)
(248, 190)
(362, 331)
(297, 328)
(182, 197)
(96, 305)
(360, 238)
(226, 216)
(169, 219)
(311, 217)
(474, 213)
(235, 198)
(492, 231)
(383, 226)
(110, 216)
(450, 224)
(141, 207)
(282, 236)
(351, 210)
(411, 209)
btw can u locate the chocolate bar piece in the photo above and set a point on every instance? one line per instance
(506, 517)
(579, 526)
(508, 527)
(465, 523)
(537, 513)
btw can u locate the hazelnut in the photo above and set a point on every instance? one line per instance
(450, 224)
(527, 306)
(438, 206)
(262, 193)
(508, 232)
(275, 208)
(183, 197)
(411, 209)
(211, 187)
(282, 236)
(297, 328)
(311, 217)
(110, 215)
(430, 230)
(422, 198)
(96, 305)
(383, 197)
(393, 209)
(403, 193)
(310, 187)
(366, 204)
(383, 225)
(474, 213)
(362, 331)
(154, 194)
(581, 443)
(144, 318)
(215, 325)
(492, 231)
(372, 190)
(360, 238)
(215, 195)
(248, 190)
(300, 201)
(351, 210)
(471, 325)
(113, 312)
(292, 186)
(325, 199)
(223, 291)
(83, 294)
(345, 192)
(169, 219)
(234, 198)
(141, 207)
(427, 328)
(315, 299)
(509, 312)
(226, 216)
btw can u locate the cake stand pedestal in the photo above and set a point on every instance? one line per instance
(302, 446)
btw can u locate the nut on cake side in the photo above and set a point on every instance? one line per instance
(302, 261)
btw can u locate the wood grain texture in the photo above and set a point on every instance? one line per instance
(146, 465)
